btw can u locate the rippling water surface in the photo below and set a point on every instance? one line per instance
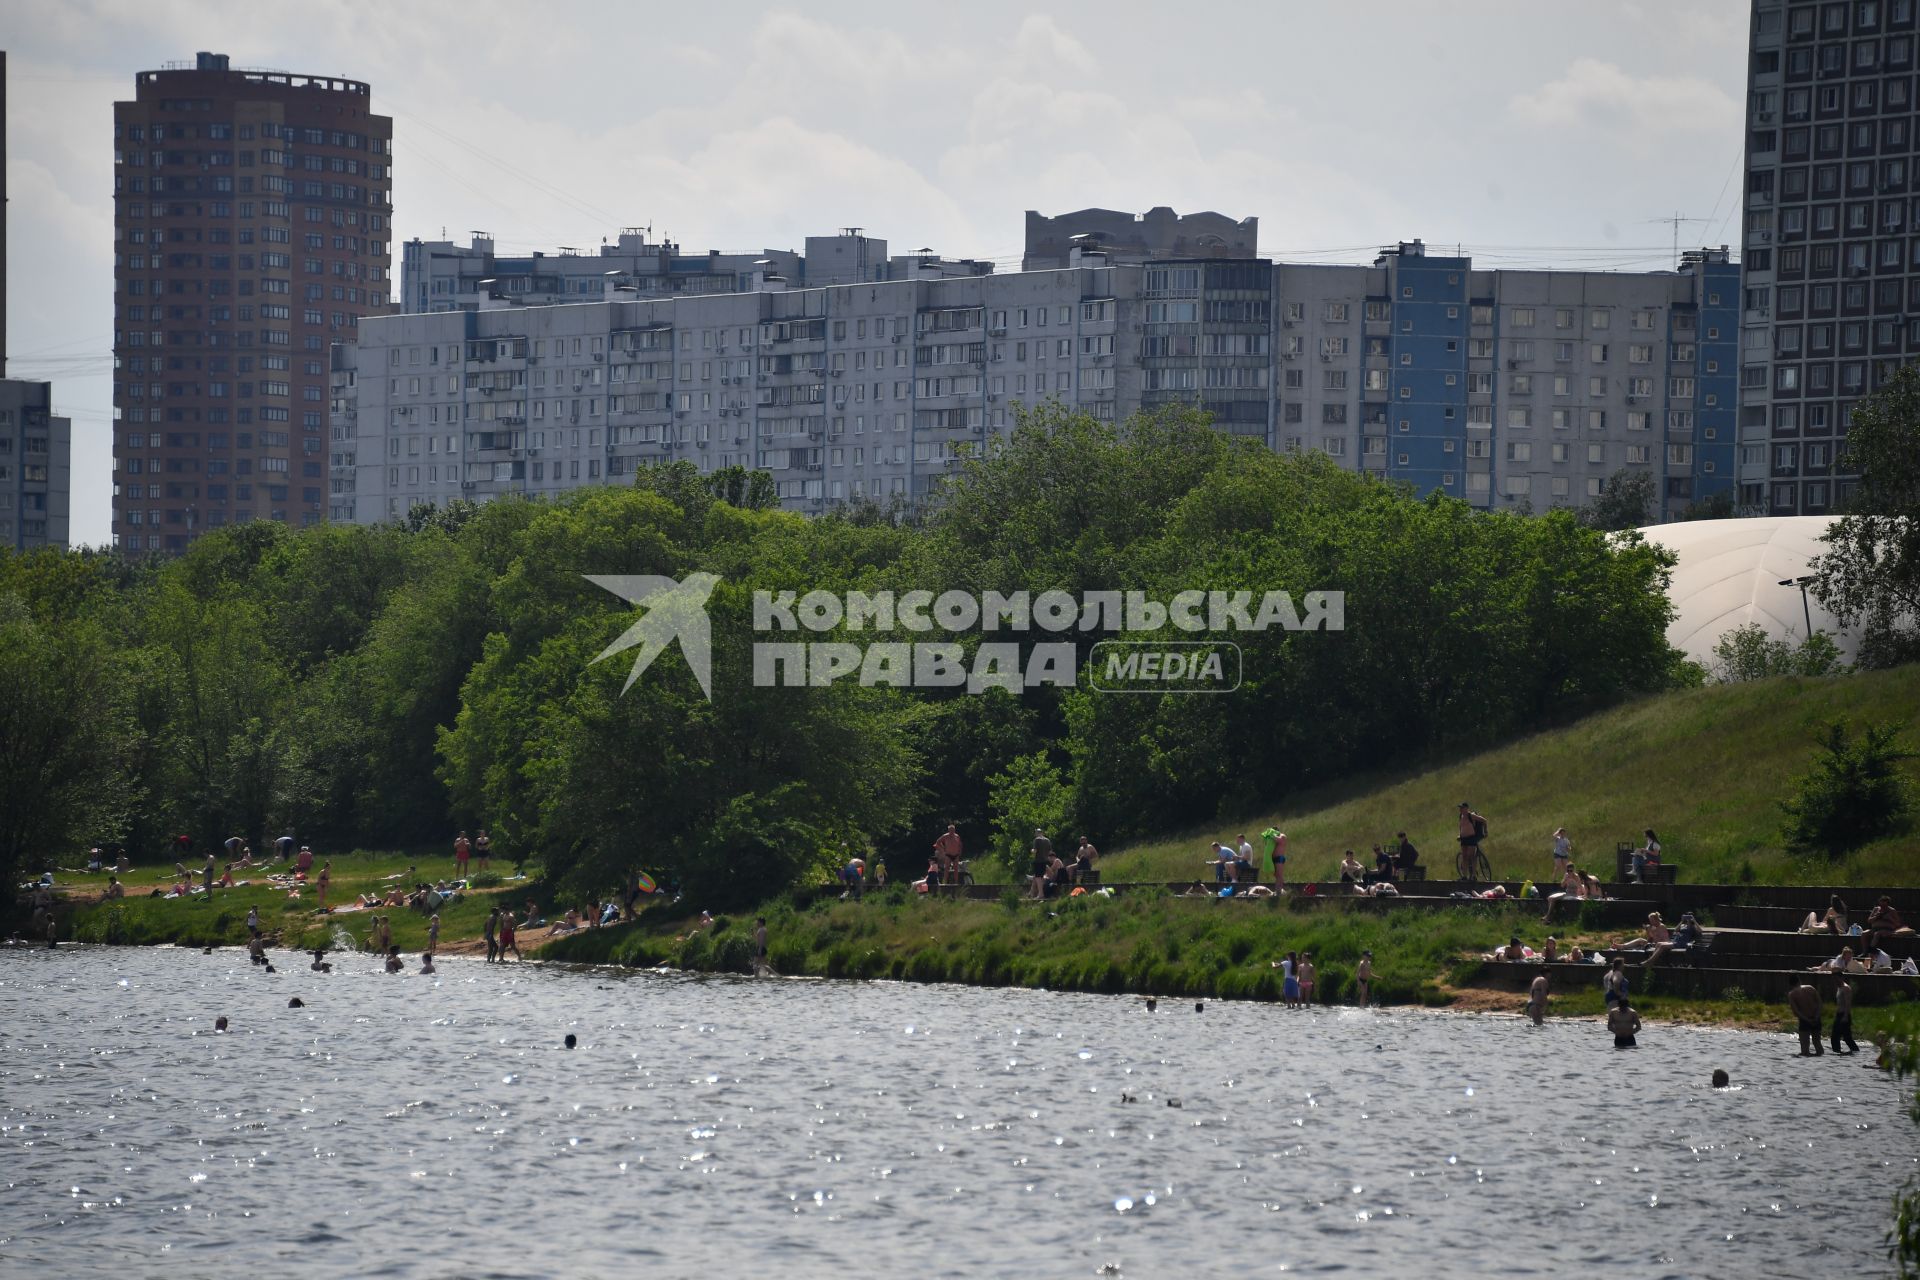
(423, 1126)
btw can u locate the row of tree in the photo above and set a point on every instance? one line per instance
(380, 686)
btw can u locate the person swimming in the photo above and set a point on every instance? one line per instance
(571, 1040)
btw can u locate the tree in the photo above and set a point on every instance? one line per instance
(1715, 506)
(1028, 796)
(1855, 792)
(63, 735)
(1871, 577)
(1625, 502)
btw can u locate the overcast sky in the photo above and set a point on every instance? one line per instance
(1530, 132)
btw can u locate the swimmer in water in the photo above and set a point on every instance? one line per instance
(320, 964)
(220, 1023)
(570, 1040)
(394, 963)
(1537, 1001)
(1720, 1078)
(296, 1003)
(1624, 1023)
(426, 962)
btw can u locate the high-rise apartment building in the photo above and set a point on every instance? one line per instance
(1832, 238)
(252, 221)
(1508, 389)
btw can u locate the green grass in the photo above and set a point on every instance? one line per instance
(1141, 943)
(1706, 768)
(142, 919)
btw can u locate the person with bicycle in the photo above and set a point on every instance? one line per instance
(1473, 829)
(946, 852)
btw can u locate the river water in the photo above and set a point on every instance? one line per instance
(437, 1126)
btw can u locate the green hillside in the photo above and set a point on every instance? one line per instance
(1706, 768)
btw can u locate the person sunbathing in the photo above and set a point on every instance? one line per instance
(1657, 941)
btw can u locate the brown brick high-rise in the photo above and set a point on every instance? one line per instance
(252, 219)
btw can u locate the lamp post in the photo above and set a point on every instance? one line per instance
(1805, 610)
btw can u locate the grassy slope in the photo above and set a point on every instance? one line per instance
(142, 918)
(1706, 768)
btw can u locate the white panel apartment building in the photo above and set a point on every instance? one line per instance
(1503, 388)
(847, 392)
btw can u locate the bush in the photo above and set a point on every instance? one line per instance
(485, 880)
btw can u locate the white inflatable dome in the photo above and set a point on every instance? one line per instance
(1730, 573)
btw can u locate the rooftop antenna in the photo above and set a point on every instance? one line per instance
(1675, 222)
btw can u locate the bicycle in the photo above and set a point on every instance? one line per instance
(1473, 867)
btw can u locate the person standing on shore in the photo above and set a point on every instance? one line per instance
(1290, 981)
(1305, 972)
(320, 883)
(492, 933)
(947, 851)
(483, 848)
(253, 921)
(1843, 1016)
(433, 934)
(1614, 984)
(1562, 854)
(506, 938)
(462, 850)
(206, 877)
(1804, 1000)
(1473, 829)
(1363, 978)
(760, 965)
(1625, 1024)
(1537, 1001)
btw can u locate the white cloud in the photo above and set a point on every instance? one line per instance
(1042, 48)
(1601, 95)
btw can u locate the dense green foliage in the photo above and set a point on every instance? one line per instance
(1900, 1054)
(383, 686)
(1854, 794)
(1625, 502)
(1749, 652)
(1871, 576)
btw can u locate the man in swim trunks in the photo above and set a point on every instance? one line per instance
(1625, 1024)
(946, 851)
(492, 929)
(1473, 829)
(462, 850)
